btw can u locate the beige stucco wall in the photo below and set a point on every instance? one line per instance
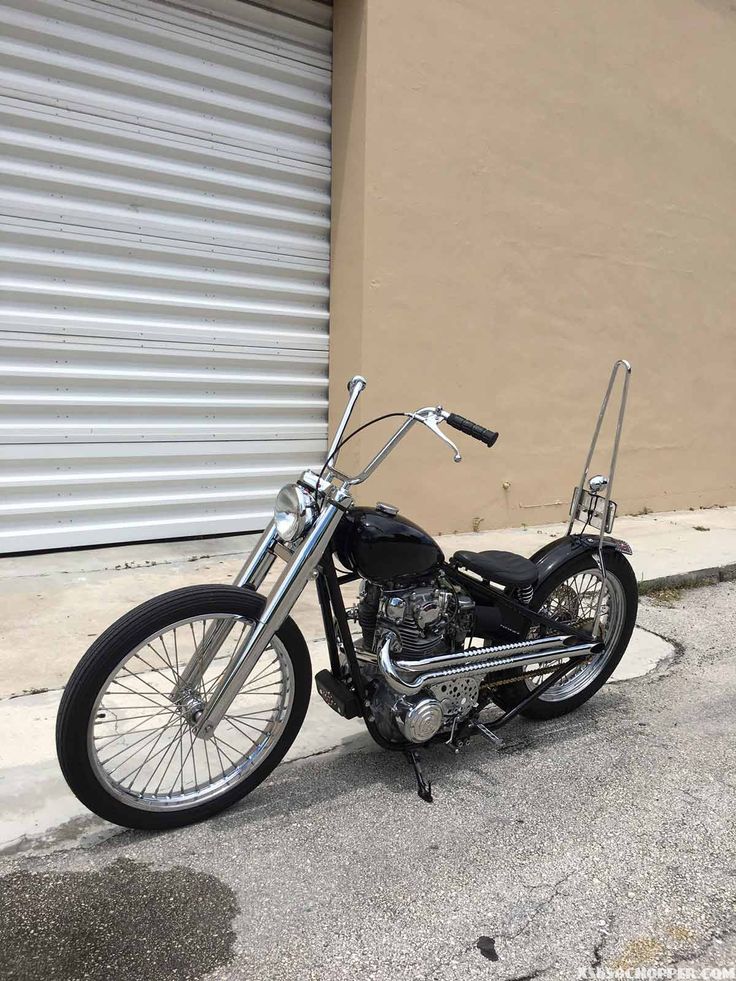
(524, 191)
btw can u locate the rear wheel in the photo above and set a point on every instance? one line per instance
(571, 595)
(125, 737)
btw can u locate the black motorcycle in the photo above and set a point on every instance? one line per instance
(187, 703)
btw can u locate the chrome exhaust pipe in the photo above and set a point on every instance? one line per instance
(476, 661)
(466, 658)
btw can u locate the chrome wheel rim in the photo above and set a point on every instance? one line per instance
(575, 601)
(141, 743)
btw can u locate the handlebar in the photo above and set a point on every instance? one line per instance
(431, 416)
(463, 425)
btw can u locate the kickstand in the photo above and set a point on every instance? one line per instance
(424, 787)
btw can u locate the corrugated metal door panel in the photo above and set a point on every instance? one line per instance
(309, 22)
(77, 283)
(101, 56)
(57, 391)
(127, 492)
(164, 252)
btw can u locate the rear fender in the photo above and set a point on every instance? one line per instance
(554, 554)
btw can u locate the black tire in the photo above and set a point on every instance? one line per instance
(509, 696)
(107, 652)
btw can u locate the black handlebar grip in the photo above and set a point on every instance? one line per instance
(480, 433)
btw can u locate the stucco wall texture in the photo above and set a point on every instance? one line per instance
(523, 192)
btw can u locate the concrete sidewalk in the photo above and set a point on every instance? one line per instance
(55, 605)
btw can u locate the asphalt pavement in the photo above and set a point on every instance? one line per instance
(601, 840)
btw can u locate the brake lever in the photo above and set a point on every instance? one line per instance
(431, 418)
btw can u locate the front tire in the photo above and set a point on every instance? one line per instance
(571, 595)
(126, 749)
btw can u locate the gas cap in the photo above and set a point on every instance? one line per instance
(387, 509)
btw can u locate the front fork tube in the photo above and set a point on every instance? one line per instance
(259, 561)
(252, 575)
(279, 603)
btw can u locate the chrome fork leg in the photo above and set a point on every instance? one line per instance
(252, 574)
(259, 561)
(280, 600)
(203, 656)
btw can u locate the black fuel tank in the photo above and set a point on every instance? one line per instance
(385, 548)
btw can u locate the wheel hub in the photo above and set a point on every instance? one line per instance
(190, 706)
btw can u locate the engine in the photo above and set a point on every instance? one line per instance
(427, 619)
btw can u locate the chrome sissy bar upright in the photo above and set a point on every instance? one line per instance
(588, 505)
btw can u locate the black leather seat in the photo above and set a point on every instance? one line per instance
(505, 568)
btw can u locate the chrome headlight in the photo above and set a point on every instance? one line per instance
(294, 512)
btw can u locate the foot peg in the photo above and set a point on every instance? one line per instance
(424, 787)
(337, 695)
(489, 734)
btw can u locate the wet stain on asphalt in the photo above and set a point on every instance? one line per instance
(129, 921)
(83, 828)
(487, 947)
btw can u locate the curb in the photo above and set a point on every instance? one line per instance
(689, 580)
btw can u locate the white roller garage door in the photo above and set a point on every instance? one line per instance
(165, 248)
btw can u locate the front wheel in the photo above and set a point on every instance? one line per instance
(572, 595)
(126, 745)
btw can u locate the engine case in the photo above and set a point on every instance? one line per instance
(427, 618)
(419, 719)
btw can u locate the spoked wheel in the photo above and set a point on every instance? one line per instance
(125, 730)
(572, 596)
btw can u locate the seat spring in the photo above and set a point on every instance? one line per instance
(524, 594)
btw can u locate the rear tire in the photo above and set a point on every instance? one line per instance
(82, 753)
(621, 584)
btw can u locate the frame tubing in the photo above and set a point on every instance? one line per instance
(534, 695)
(323, 595)
(336, 603)
(496, 596)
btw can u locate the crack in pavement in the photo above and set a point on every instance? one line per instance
(556, 888)
(604, 932)
(537, 973)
